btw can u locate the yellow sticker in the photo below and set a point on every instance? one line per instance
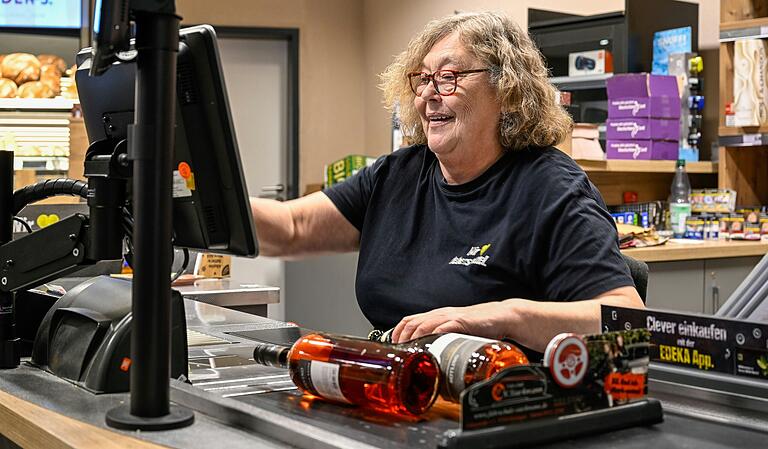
(190, 181)
(46, 220)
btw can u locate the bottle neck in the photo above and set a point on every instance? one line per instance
(271, 355)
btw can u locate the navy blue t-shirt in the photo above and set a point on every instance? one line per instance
(531, 226)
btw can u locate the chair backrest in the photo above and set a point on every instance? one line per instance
(639, 272)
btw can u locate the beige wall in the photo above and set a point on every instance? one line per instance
(389, 25)
(331, 94)
(345, 44)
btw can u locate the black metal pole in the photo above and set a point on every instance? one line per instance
(151, 141)
(9, 356)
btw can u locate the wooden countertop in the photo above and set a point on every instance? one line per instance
(31, 426)
(672, 251)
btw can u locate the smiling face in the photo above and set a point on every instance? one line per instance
(461, 129)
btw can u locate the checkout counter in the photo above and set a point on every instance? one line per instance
(239, 404)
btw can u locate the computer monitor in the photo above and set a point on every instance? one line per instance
(211, 211)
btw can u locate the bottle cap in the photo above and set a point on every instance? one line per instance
(270, 354)
(567, 358)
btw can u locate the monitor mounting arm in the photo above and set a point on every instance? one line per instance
(75, 241)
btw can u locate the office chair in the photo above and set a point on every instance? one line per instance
(639, 272)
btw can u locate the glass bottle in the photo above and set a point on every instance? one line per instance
(679, 200)
(466, 359)
(385, 378)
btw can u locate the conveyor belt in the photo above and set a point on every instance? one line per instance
(262, 398)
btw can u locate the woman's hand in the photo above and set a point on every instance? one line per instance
(530, 323)
(486, 320)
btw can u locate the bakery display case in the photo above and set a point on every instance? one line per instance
(39, 120)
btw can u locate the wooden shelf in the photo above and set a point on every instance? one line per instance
(741, 130)
(748, 24)
(742, 168)
(672, 251)
(627, 166)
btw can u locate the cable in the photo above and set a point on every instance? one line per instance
(23, 223)
(183, 268)
(46, 189)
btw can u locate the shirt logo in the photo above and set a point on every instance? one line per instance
(475, 256)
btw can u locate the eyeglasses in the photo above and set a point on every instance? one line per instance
(444, 80)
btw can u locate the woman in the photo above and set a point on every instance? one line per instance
(481, 227)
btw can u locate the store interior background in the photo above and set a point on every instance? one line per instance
(343, 46)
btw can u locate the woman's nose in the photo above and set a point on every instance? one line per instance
(430, 91)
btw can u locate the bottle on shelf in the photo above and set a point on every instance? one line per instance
(679, 200)
(380, 377)
(465, 359)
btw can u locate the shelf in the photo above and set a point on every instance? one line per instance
(755, 139)
(37, 103)
(672, 251)
(580, 82)
(625, 166)
(41, 163)
(744, 29)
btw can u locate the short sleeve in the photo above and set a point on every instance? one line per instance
(581, 257)
(353, 196)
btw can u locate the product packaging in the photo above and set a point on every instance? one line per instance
(713, 200)
(641, 149)
(643, 95)
(593, 62)
(342, 169)
(642, 129)
(750, 93)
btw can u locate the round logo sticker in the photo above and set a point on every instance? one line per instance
(568, 359)
(184, 170)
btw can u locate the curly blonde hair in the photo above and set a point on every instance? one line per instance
(530, 114)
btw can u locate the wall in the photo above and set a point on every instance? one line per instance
(331, 95)
(389, 26)
(345, 44)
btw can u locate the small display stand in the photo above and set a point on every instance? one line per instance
(585, 386)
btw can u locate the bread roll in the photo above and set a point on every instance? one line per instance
(21, 68)
(53, 60)
(35, 89)
(7, 88)
(49, 74)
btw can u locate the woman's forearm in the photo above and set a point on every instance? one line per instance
(534, 323)
(305, 226)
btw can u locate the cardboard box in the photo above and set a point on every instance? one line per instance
(642, 129)
(643, 95)
(592, 62)
(641, 149)
(342, 169)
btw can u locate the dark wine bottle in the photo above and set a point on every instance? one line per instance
(385, 378)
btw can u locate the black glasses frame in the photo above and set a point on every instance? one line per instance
(419, 76)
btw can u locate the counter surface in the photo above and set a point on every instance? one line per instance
(671, 251)
(264, 409)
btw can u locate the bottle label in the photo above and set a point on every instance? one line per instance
(324, 378)
(454, 351)
(678, 212)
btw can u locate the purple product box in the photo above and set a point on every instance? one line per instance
(641, 149)
(643, 95)
(642, 129)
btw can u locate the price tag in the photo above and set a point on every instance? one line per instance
(730, 120)
(752, 139)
